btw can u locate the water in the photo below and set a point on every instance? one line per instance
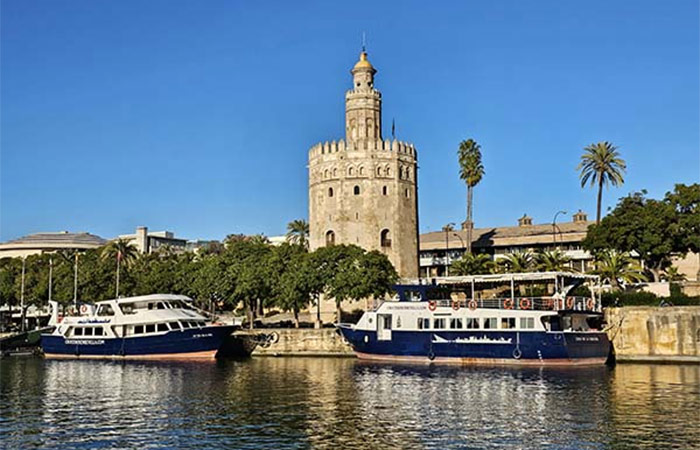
(276, 403)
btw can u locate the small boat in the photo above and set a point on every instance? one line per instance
(468, 320)
(158, 326)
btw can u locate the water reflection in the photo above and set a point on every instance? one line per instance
(341, 403)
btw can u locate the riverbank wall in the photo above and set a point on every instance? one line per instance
(305, 342)
(655, 334)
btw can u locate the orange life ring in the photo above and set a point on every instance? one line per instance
(472, 304)
(525, 303)
(432, 305)
(570, 302)
(83, 309)
(455, 305)
(590, 303)
(60, 319)
(508, 304)
(549, 303)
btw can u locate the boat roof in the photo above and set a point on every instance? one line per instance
(502, 278)
(150, 297)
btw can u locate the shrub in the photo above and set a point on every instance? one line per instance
(646, 299)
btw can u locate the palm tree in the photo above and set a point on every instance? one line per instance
(121, 250)
(601, 164)
(471, 170)
(552, 261)
(617, 267)
(517, 262)
(672, 274)
(473, 264)
(298, 232)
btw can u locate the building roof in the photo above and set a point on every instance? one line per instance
(566, 232)
(54, 241)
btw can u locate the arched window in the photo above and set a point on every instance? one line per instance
(325, 174)
(384, 190)
(356, 190)
(362, 171)
(387, 171)
(330, 192)
(351, 171)
(400, 173)
(335, 173)
(379, 171)
(385, 238)
(330, 238)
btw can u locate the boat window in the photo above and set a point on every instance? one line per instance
(204, 324)
(438, 323)
(472, 323)
(455, 324)
(162, 327)
(127, 308)
(88, 331)
(551, 323)
(99, 331)
(78, 331)
(151, 328)
(566, 323)
(160, 305)
(105, 310)
(174, 325)
(490, 323)
(150, 306)
(138, 329)
(527, 322)
(185, 324)
(423, 323)
(507, 323)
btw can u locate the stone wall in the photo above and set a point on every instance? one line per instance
(306, 342)
(645, 333)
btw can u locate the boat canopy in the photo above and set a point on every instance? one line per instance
(504, 277)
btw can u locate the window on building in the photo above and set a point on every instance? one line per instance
(490, 323)
(384, 190)
(351, 171)
(455, 324)
(356, 190)
(472, 323)
(385, 238)
(507, 323)
(330, 238)
(439, 324)
(330, 192)
(408, 194)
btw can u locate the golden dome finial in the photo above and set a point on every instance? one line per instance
(363, 63)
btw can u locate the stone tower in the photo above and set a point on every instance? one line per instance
(363, 190)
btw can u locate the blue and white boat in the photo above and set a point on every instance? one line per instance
(159, 326)
(484, 319)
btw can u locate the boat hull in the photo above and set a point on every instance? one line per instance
(532, 348)
(195, 343)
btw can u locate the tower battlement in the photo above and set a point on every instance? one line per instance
(363, 189)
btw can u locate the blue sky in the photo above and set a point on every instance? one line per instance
(196, 117)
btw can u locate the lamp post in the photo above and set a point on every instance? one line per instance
(460, 239)
(447, 229)
(21, 295)
(554, 226)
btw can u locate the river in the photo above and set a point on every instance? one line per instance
(279, 403)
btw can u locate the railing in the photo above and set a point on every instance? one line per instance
(517, 303)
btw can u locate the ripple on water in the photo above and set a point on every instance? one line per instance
(341, 403)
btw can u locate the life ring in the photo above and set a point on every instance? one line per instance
(83, 309)
(432, 305)
(590, 303)
(570, 303)
(549, 303)
(508, 304)
(273, 337)
(472, 304)
(517, 353)
(455, 305)
(525, 303)
(60, 319)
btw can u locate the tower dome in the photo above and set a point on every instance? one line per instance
(363, 64)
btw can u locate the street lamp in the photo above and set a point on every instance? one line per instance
(554, 226)
(447, 229)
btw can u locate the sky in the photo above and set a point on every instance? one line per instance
(196, 117)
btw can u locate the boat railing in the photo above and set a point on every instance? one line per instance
(518, 303)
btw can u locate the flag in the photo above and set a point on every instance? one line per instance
(393, 129)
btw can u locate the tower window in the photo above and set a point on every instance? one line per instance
(385, 238)
(379, 171)
(384, 190)
(351, 171)
(356, 190)
(330, 192)
(408, 194)
(330, 238)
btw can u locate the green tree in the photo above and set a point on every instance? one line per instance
(552, 261)
(291, 289)
(601, 164)
(517, 262)
(471, 171)
(473, 264)
(122, 251)
(616, 268)
(646, 227)
(298, 232)
(685, 200)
